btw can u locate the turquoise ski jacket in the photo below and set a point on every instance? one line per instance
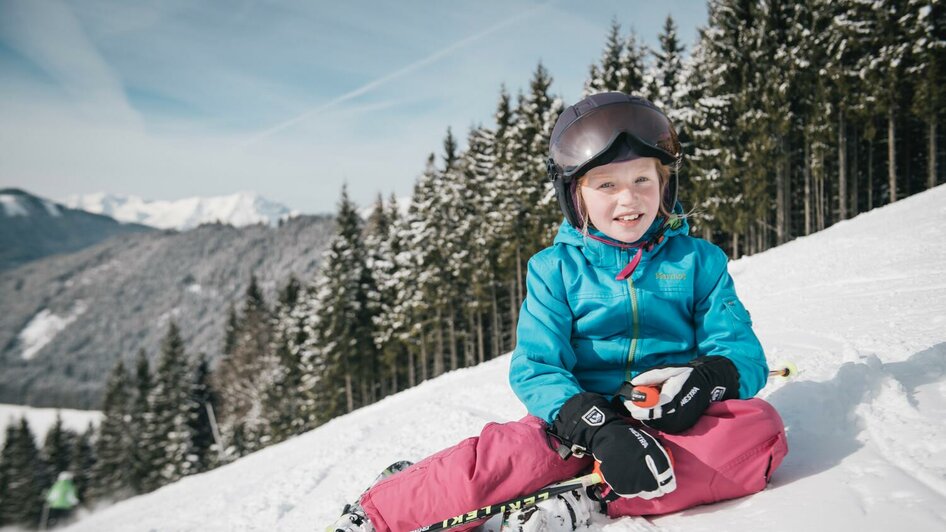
(582, 330)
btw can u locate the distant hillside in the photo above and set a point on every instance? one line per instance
(240, 209)
(32, 228)
(65, 320)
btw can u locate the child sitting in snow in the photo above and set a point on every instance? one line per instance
(624, 297)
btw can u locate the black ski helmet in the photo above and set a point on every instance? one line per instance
(604, 128)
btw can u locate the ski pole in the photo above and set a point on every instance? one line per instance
(517, 503)
(646, 396)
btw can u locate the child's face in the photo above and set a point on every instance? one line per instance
(622, 199)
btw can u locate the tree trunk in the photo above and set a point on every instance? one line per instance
(891, 154)
(870, 174)
(513, 312)
(842, 166)
(781, 216)
(931, 177)
(411, 370)
(519, 278)
(735, 245)
(349, 394)
(480, 340)
(424, 357)
(452, 338)
(855, 177)
(438, 354)
(497, 328)
(807, 170)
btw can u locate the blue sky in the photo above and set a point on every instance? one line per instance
(171, 99)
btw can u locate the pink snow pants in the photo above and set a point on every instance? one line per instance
(731, 452)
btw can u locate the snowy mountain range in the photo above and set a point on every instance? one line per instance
(66, 319)
(32, 227)
(239, 209)
(861, 310)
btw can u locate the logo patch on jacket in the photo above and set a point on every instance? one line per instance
(594, 417)
(670, 276)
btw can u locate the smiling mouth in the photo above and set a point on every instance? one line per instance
(628, 218)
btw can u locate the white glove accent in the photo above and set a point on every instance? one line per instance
(666, 481)
(670, 380)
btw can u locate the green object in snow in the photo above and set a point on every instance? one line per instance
(62, 496)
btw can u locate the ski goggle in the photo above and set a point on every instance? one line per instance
(576, 143)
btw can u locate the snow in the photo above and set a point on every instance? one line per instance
(42, 419)
(52, 209)
(12, 206)
(44, 327)
(239, 209)
(860, 308)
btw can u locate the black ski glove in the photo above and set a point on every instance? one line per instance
(633, 463)
(685, 392)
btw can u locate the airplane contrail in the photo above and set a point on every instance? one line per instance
(394, 75)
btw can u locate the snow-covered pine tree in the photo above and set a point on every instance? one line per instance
(478, 168)
(720, 75)
(453, 286)
(240, 377)
(283, 405)
(927, 33)
(422, 269)
(59, 448)
(22, 477)
(382, 244)
(884, 70)
(668, 72)
(110, 477)
(202, 402)
(171, 409)
(534, 215)
(83, 463)
(503, 219)
(621, 67)
(146, 448)
(342, 338)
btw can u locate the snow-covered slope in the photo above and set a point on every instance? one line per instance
(239, 209)
(861, 309)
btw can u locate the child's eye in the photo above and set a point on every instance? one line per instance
(642, 179)
(606, 184)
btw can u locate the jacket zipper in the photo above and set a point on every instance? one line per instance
(636, 326)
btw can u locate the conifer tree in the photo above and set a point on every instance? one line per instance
(145, 451)
(241, 375)
(504, 218)
(668, 72)
(59, 448)
(171, 409)
(22, 477)
(110, 478)
(621, 66)
(535, 214)
(284, 405)
(927, 32)
(202, 401)
(343, 335)
(83, 463)
(382, 244)
(6, 472)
